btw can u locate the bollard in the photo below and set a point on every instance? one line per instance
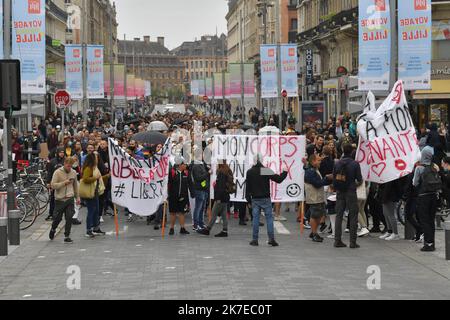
(14, 227)
(3, 236)
(447, 240)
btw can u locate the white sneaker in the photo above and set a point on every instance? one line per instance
(393, 237)
(386, 235)
(219, 220)
(331, 236)
(364, 232)
(347, 230)
(101, 220)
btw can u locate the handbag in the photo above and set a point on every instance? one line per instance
(87, 190)
(100, 188)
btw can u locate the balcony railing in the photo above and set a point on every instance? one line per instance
(57, 11)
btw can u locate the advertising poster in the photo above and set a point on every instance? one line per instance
(131, 94)
(28, 43)
(74, 71)
(374, 45)
(227, 86)
(209, 88)
(312, 112)
(414, 43)
(95, 80)
(249, 80)
(289, 70)
(218, 86)
(269, 74)
(119, 81)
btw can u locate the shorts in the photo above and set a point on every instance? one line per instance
(176, 206)
(318, 211)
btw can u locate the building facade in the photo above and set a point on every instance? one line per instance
(202, 58)
(329, 30)
(152, 61)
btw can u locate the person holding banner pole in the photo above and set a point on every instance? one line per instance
(258, 194)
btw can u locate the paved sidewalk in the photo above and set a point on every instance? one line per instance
(141, 265)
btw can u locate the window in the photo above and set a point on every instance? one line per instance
(196, 64)
(206, 64)
(294, 24)
(441, 50)
(207, 74)
(192, 64)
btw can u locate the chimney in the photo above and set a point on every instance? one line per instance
(161, 41)
(147, 39)
(137, 39)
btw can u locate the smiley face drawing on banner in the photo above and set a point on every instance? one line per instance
(388, 146)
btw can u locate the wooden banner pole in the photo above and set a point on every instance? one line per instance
(163, 229)
(302, 217)
(116, 221)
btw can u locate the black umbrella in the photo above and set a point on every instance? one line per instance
(150, 137)
(179, 121)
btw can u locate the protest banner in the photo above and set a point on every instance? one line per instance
(278, 152)
(139, 185)
(388, 147)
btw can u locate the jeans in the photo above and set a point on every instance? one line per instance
(389, 214)
(66, 208)
(93, 216)
(426, 208)
(200, 206)
(266, 205)
(347, 200)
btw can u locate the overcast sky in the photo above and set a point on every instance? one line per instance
(176, 20)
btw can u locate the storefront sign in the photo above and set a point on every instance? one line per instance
(309, 56)
(440, 70)
(374, 45)
(414, 21)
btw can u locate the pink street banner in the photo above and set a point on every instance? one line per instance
(131, 94)
(119, 81)
(218, 86)
(209, 88)
(249, 80)
(227, 86)
(235, 80)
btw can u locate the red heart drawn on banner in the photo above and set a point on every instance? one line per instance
(379, 169)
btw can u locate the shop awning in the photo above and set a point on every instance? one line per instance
(440, 90)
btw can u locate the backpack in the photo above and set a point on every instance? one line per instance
(341, 182)
(431, 181)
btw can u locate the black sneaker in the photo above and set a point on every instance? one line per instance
(99, 233)
(273, 243)
(242, 223)
(90, 234)
(52, 234)
(49, 218)
(354, 246)
(76, 222)
(223, 234)
(184, 231)
(339, 244)
(204, 232)
(428, 248)
(261, 224)
(254, 243)
(156, 227)
(171, 232)
(311, 236)
(68, 241)
(317, 238)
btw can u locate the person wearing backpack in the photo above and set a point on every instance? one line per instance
(224, 186)
(428, 182)
(346, 178)
(199, 177)
(178, 195)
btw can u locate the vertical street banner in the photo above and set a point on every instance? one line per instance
(279, 153)
(227, 86)
(148, 88)
(95, 80)
(309, 60)
(218, 86)
(139, 185)
(414, 43)
(249, 80)
(107, 81)
(1, 30)
(388, 146)
(201, 87)
(131, 91)
(289, 70)
(374, 45)
(235, 80)
(119, 81)
(209, 88)
(140, 88)
(74, 71)
(28, 43)
(269, 74)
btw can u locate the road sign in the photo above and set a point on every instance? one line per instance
(205, 98)
(284, 93)
(62, 98)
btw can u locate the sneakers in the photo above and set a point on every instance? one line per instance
(204, 232)
(156, 227)
(101, 220)
(90, 234)
(354, 246)
(171, 232)
(428, 248)
(386, 235)
(223, 234)
(99, 233)
(68, 241)
(306, 225)
(76, 222)
(254, 243)
(184, 231)
(419, 238)
(219, 220)
(364, 232)
(242, 223)
(339, 244)
(311, 236)
(52, 234)
(347, 230)
(317, 238)
(273, 243)
(393, 237)
(331, 236)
